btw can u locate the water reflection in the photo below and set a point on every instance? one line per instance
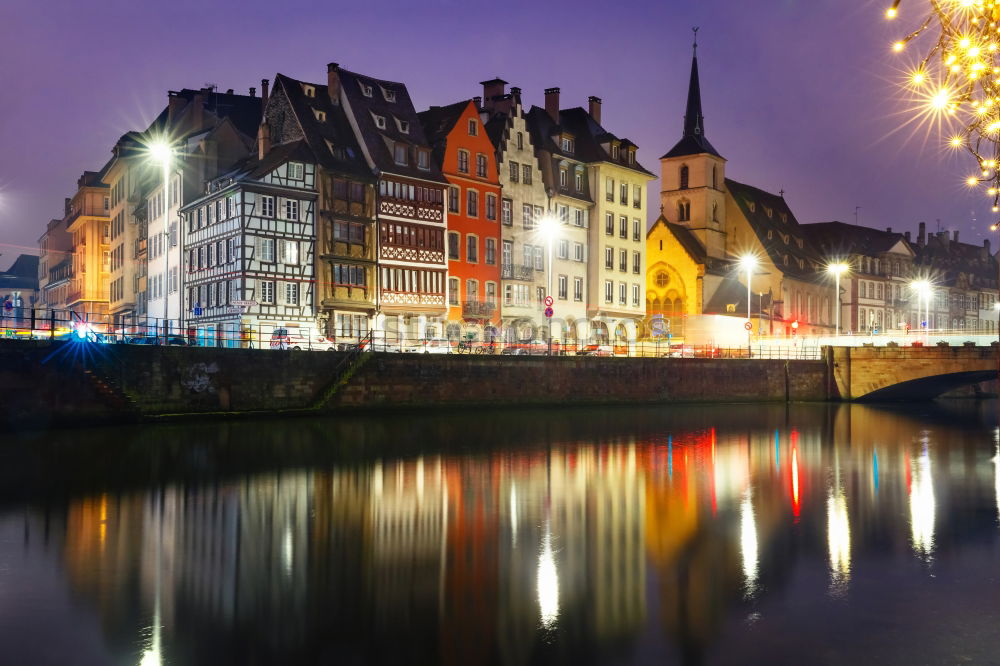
(612, 537)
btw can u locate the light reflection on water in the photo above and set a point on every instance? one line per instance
(617, 536)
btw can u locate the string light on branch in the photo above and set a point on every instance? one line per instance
(957, 78)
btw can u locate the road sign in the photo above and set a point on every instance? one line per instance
(8, 305)
(235, 309)
(748, 325)
(197, 309)
(548, 312)
(549, 301)
(245, 304)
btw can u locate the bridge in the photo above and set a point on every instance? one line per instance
(907, 373)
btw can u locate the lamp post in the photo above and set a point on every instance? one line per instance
(923, 290)
(837, 270)
(163, 153)
(748, 262)
(548, 228)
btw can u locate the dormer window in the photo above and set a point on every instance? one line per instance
(296, 170)
(769, 212)
(320, 115)
(366, 89)
(308, 90)
(566, 144)
(403, 125)
(399, 153)
(631, 156)
(473, 127)
(423, 160)
(336, 151)
(614, 151)
(389, 95)
(379, 121)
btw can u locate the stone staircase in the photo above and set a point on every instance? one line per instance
(110, 391)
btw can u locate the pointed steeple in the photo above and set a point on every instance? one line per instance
(693, 141)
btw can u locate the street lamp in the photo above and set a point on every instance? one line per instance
(161, 152)
(748, 262)
(923, 290)
(837, 270)
(548, 229)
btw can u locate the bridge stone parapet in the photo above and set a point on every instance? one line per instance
(907, 373)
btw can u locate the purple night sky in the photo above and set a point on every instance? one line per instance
(798, 94)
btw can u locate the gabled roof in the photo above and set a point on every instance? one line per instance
(949, 260)
(588, 137)
(243, 110)
(693, 247)
(769, 214)
(330, 143)
(22, 274)
(377, 141)
(437, 123)
(838, 239)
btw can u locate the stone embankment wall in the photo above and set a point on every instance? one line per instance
(63, 383)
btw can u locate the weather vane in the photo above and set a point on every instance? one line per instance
(695, 31)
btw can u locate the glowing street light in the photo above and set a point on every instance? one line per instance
(748, 262)
(923, 291)
(162, 153)
(548, 229)
(837, 270)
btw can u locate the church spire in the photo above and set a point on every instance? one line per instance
(694, 120)
(693, 142)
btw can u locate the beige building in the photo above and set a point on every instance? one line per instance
(89, 226)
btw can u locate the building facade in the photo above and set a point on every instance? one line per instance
(89, 226)
(411, 212)
(55, 262)
(466, 157)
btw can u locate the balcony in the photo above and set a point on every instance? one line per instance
(517, 272)
(478, 309)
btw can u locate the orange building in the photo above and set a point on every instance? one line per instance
(467, 159)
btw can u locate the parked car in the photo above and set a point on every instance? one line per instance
(530, 348)
(596, 350)
(434, 346)
(292, 337)
(144, 340)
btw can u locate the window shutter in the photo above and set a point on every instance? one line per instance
(279, 295)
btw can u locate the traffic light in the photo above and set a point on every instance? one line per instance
(795, 327)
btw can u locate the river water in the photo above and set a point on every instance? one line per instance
(807, 534)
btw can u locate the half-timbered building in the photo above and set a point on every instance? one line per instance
(410, 203)
(250, 248)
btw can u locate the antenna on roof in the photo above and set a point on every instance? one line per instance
(857, 216)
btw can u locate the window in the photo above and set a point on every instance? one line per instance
(463, 161)
(515, 171)
(491, 207)
(578, 182)
(578, 251)
(566, 144)
(539, 262)
(267, 292)
(578, 216)
(562, 250)
(481, 165)
(320, 115)
(577, 289)
(266, 251)
(609, 258)
(508, 253)
(349, 275)
(637, 196)
(379, 121)
(520, 140)
(563, 287)
(296, 170)
(423, 161)
(472, 249)
(472, 209)
(403, 125)
(290, 252)
(684, 177)
(527, 174)
(564, 214)
(622, 294)
(473, 127)
(266, 207)
(506, 216)
(623, 227)
(623, 260)
(683, 211)
(491, 251)
(291, 209)
(389, 95)
(107, 203)
(453, 240)
(453, 194)
(491, 293)
(472, 290)
(453, 295)
(291, 293)
(609, 224)
(232, 250)
(609, 291)
(563, 176)
(635, 295)
(636, 229)
(609, 189)
(399, 153)
(636, 262)
(624, 194)
(526, 216)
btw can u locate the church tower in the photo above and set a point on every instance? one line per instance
(693, 175)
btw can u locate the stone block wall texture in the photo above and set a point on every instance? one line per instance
(860, 371)
(45, 382)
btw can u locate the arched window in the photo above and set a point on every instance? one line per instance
(684, 177)
(715, 179)
(715, 211)
(683, 211)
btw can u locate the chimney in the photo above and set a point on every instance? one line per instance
(230, 91)
(986, 244)
(906, 235)
(956, 236)
(333, 82)
(888, 230)
(552, 104)
(263, 140)
(515, 94)
(922, 234)
(253, 91)
(594, 106)
(264, 87)
(492, 90)
(479, 102)
(199, 101)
